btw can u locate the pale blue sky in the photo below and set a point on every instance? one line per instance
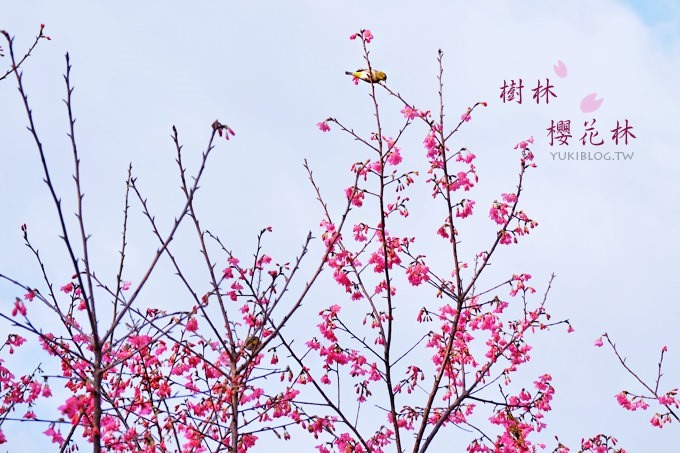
(656, 12)
(273, 70)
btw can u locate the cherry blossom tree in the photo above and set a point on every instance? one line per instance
(142, 378)
(652, 394)
(411, 342)
(474, 332)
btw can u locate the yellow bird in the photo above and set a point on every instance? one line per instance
(252, 343)
(370, 76)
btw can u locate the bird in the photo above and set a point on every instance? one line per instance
(368, 75)
(252, 343)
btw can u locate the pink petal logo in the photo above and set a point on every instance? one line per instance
(560, 69)
(590, 104)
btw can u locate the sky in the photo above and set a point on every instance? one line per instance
(272, 70)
